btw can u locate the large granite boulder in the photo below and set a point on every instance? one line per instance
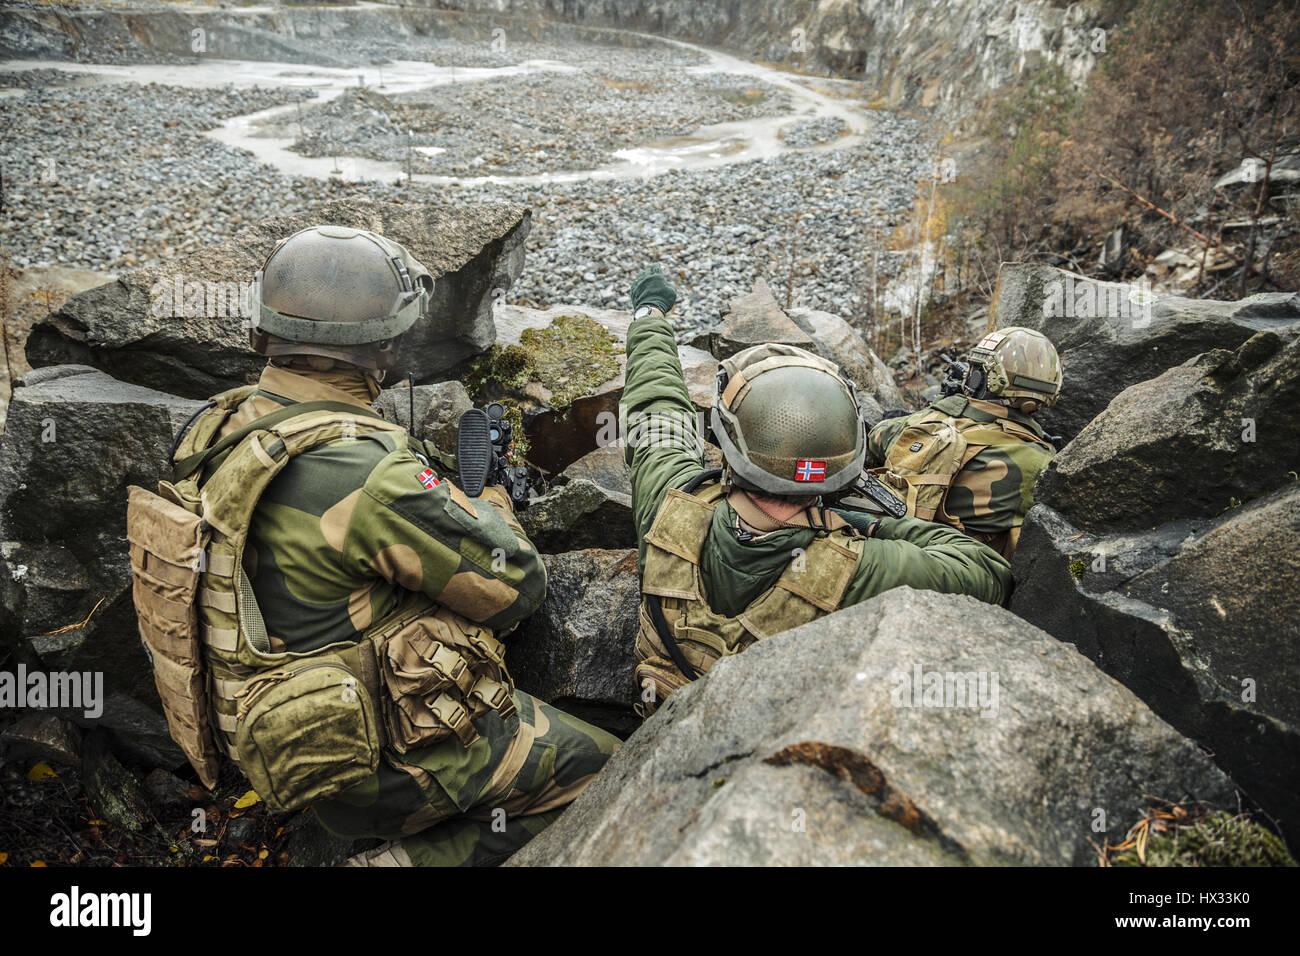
(429, 412)
(576, 651)
(182, 327)
(1219, 427)
(578, 515)
(838, 341)
(917, 728)
(1165, 545)
(754, 318)
(75, 439)
(1113, 335)
(605, 467)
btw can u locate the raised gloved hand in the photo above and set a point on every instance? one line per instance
(652, 288)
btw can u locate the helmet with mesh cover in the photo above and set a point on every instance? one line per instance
(788, 423)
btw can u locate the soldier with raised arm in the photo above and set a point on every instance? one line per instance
(730, 557)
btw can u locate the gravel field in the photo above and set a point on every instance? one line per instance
(718, 230)
(119, 175)
(534, 123)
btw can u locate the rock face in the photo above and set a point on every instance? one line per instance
(196, 343)
(579, 515)
(811, 748)
(576, 651)
(1141, 553)
(437, 412)
(945, 54)
(1113, 335)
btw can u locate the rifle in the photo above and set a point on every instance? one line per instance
(872, 495)
(483, 441)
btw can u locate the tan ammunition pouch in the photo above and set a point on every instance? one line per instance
(419, 675)
(167, 543)
(924, 461)
(813, 585)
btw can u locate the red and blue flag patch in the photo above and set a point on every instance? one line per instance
(427, 478)
(808, 469)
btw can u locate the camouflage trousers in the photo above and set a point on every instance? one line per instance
(450, 805)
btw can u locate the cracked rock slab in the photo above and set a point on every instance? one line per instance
(811, 748)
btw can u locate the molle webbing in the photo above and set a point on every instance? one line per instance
(193, 463)
(812, 585)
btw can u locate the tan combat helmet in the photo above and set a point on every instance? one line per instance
(1017, 365)
(787, 422)
(339, 293)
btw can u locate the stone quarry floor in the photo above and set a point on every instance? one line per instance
(721, 170)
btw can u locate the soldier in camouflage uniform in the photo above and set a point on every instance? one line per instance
(727, 558)
(1011, 373)
(351, 526)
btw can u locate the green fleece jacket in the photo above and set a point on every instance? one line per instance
(903, 551)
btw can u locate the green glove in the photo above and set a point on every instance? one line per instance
(652, 288)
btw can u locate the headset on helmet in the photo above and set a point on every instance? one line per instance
(1017, 366)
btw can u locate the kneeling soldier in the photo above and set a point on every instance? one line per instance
(970, 459)
(351, 599)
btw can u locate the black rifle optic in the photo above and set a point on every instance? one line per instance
(483, 440)
(956, 373)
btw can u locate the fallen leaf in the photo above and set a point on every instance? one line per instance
(4, 858)
(247, 800)
(38, 863)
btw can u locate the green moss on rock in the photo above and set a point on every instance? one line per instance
(572, 357)
(1210, 839)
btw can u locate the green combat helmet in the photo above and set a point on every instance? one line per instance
(787, 422)
(338, 293)
(1016, 365)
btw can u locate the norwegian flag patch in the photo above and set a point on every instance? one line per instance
(427, 478)
(808, 469)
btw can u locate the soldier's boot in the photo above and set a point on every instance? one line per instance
(459, 842)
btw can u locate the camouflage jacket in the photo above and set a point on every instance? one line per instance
(349, 527)
(995, 490)
(903, 551)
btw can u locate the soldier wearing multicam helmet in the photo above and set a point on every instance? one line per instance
(983, 440)
(730, 556)
(362, 540)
